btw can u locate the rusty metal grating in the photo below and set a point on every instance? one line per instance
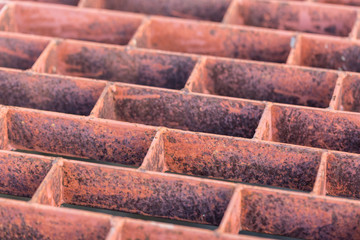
(214, 119)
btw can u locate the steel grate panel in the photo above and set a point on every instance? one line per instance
(177, 119)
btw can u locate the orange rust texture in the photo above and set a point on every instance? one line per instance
(22, 174)
(155, 158)
(331, 53)
(212, 10)
(231, 222)
(50, 190)
(118, 64)
(316, 128)
(3, 127)
(299, 215)
(241, 160)
(20, 51)
(52, 93)
(66, 2)
(269, 82)
(150, 194)
(346, 2)
(133, 230)
(302, 17)
(256, 93)
(210, 39)
(342, 175)
(350, 96)
(72, 136)
(66, 22)
(186, 111)
(20, 220)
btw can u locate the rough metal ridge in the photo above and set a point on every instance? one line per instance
(225, 117)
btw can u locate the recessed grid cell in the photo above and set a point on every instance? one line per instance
(350, 94)
(21, 175)
(27, 221)
(214, 39)
(134, 229)
(102, 141)
(314, 128)
(69, 22)
(238, 160)
(342, 175)
(181, 110)
(20, 51)
(299, 215)
(149, 194)
(66, 2)
(212, 10)
(46, 92)
(344, 2)
(260, 81)
(116, 64)
(293, 16)
(331, 53)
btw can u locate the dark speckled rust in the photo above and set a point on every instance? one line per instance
(66, 22)
(236, 116)
(240, 160)
(23, 221)
(212, 10)
(21, 175)
(20, 51)
(342, 175)
(275, 83)
(299, 215)
(350, 96)
(59, 94)
(79, 137)
(118, 64)
(316, 128)
(185, 111)
(210, 39)
(145, 193)
(302, 17)
(345, 2)
(331, 53)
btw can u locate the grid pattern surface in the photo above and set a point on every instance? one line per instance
(214, 119)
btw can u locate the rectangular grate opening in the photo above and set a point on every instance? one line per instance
(117, 64)
(138, 216)
(53, 21)
(208, 39)
(21, 176)
(293, 16)
(212, 10)
(265, 82)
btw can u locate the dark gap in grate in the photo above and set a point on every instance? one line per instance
(249, 184)
(7, 196)
(139, 216)
(264, 235)
(74, 158)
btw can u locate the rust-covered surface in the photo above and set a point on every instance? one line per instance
(180, 119)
